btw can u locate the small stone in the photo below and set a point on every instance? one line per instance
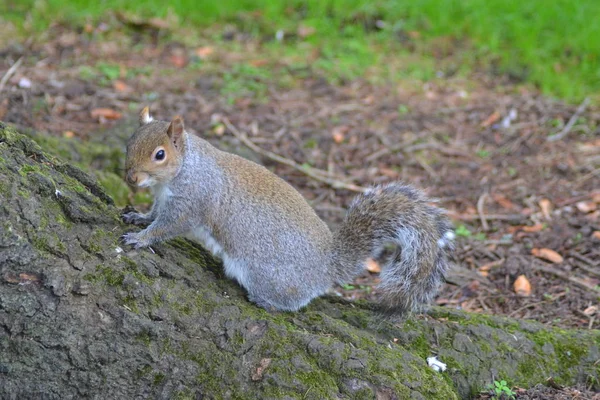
(81, 288)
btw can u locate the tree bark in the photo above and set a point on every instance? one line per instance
(82, 316)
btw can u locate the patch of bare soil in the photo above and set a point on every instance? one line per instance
(527, 207)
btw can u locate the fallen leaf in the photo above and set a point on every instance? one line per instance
(596, 235)
(596, 198)
(390, 173)
(29, 277)
(593, 216)
(257, 375)
(11, 278)
(259, 63)
(414, 34)
(526, 228)
(591, 310)
(490, 265)
(178, 60)
(69, 134)
(106, 113)
(503, 201)
(338, 133)
(495, 116)
(373, 266)
(533, 228)
(522, 286)
(586, 206)
(204, 52)
(546, 207)
(305, 31)
(547, 254)
(219, 129)
(121, 86)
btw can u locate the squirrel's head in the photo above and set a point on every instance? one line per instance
(154, 151)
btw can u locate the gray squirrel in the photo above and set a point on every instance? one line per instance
(269, 238)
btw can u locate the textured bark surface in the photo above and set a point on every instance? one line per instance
(82, 316)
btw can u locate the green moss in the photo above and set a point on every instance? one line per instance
(159, 378)
(4, 188)
(24, 193)
(143, 371)
(111, 276)
(115, 187)
(144, 338)
(27, 168)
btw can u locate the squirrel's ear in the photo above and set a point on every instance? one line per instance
(175, 130)
(145, 116)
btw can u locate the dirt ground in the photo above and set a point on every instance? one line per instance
(523, 203)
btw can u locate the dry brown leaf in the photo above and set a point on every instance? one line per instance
(121, 86)
(495, 116)
(490, 265)
(373, 266)
(178, 60)
(69, 134)
(596, 235)
(219, 129)
(547, 254)
(586, 206)
(11, 278)
(338, 133)
(522, 286)
(305, 31)
(591, 310)
(533, 228)
(29, 277)
(593, 216)
(105, 113)
(259, 63)
(596, 198)
(390, 173)
(260, 370)
(546, 207)
(503, 201)
(204, 52)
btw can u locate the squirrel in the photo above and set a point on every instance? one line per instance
(269, 238)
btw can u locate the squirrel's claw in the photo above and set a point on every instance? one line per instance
(133, 239)
(134, 218)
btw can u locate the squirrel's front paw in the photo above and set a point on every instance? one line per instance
(135, 218)
(135, 239)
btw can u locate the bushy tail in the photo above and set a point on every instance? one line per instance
(395, 226)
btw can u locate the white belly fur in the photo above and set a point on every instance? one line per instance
(235, 269)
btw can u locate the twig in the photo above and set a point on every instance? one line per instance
(480, 204)
(8, 73)
(584, 178)
(314, 173)
(565, 276)
(571, 122)
(406, 147)
(498, 217)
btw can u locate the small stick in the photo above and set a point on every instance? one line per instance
(565, 276)
(480, 204)
(8, 73)
(498, 217)
(314, 173)
(571, 122)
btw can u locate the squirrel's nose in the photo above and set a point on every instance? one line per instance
(131, 178)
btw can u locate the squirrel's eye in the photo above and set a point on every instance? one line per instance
(160, 155)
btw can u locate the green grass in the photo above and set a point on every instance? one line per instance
(554, 44)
